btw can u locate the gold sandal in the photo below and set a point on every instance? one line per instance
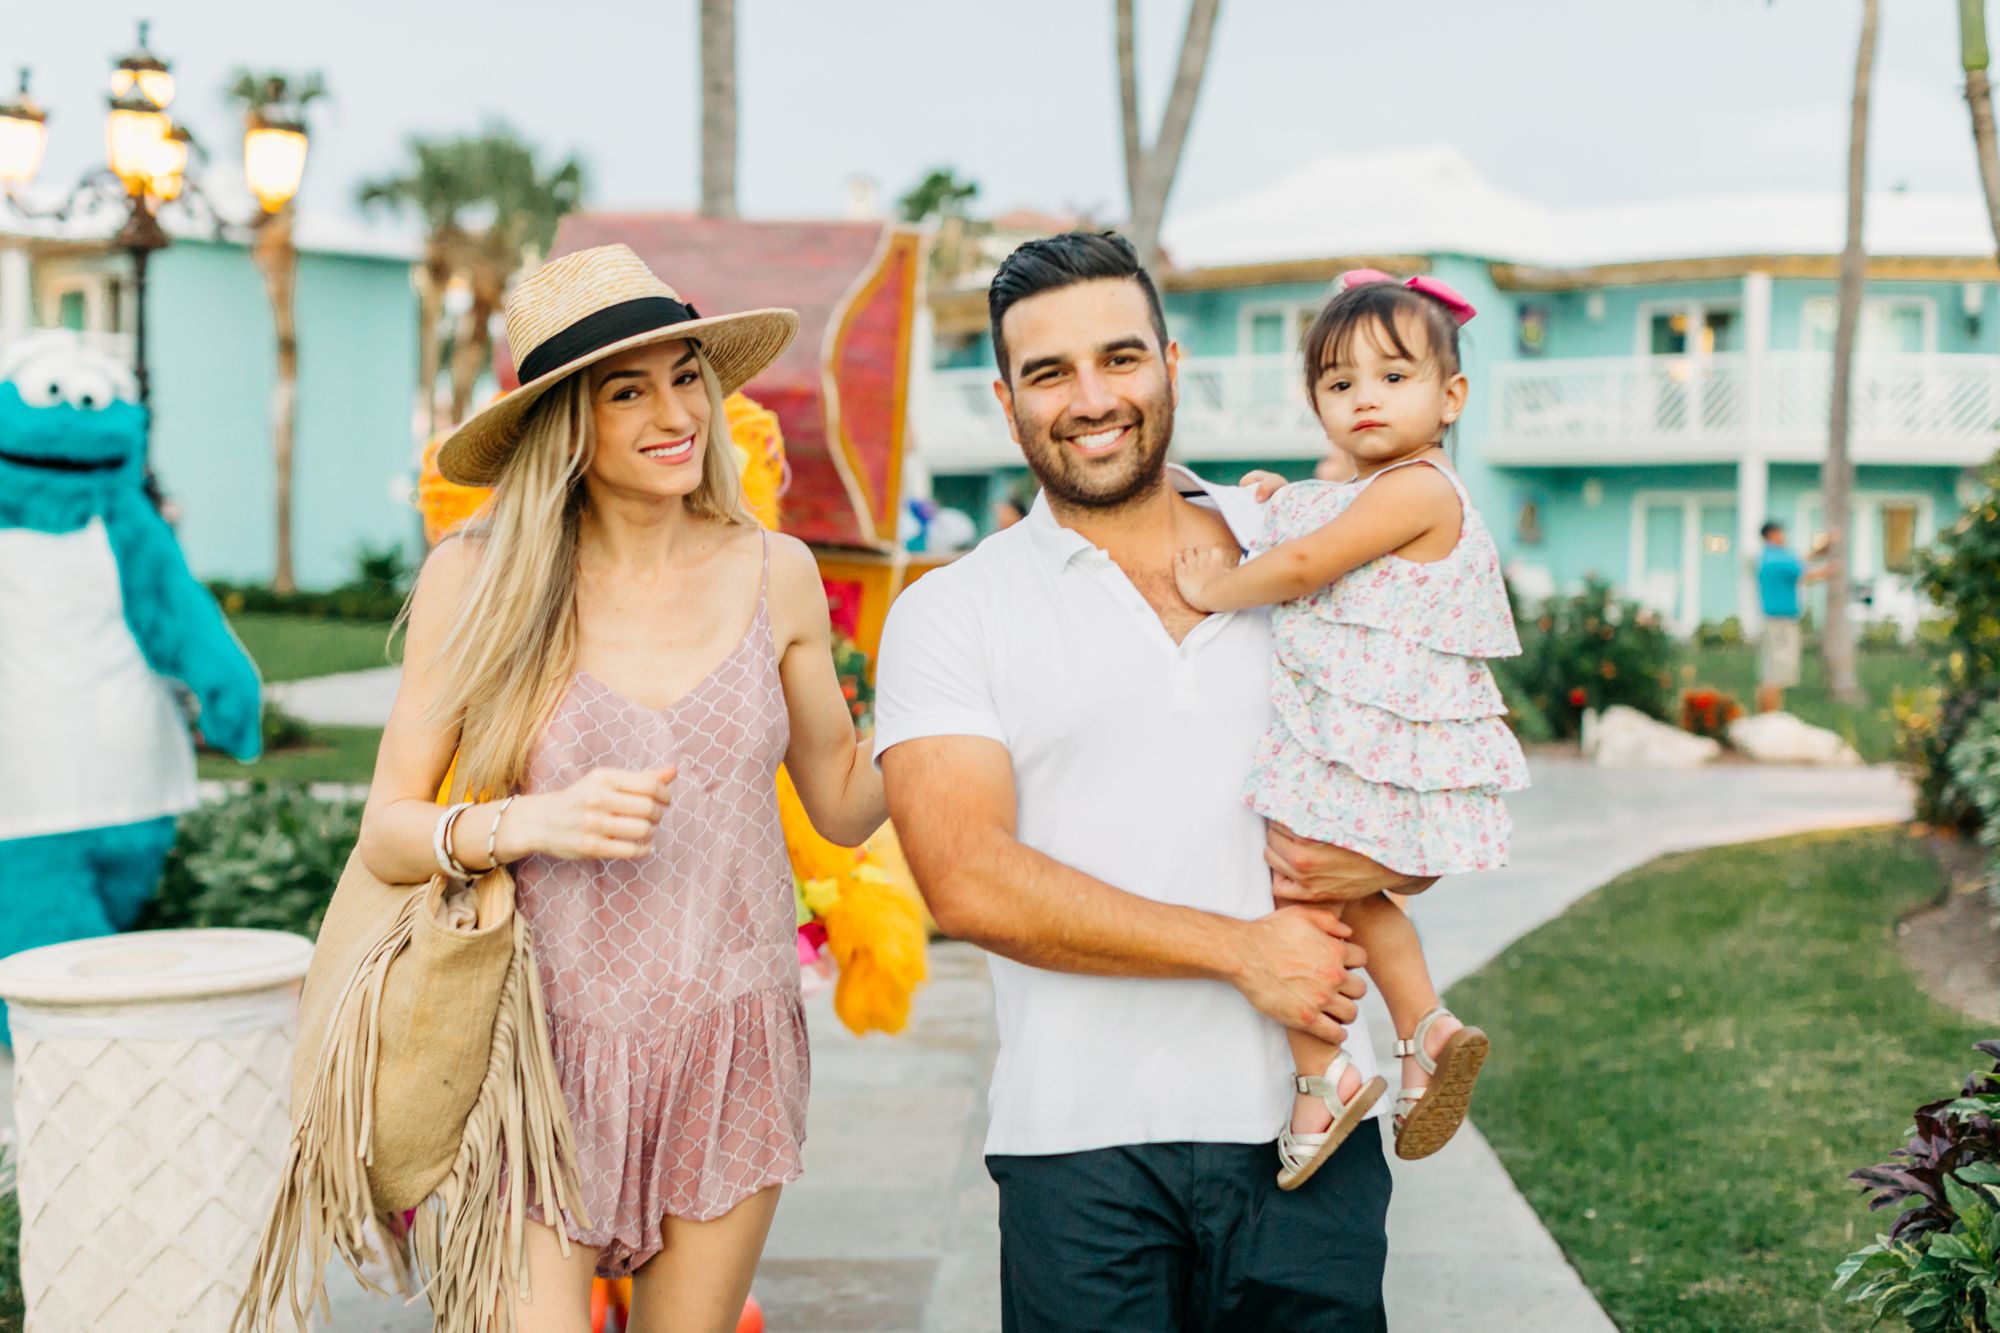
(1427, 1117)
(1302, 1154)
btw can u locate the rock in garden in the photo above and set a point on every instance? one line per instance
(1781, 738)
(1624, 737)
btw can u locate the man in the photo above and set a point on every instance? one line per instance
(1064, 741)
(1779, 574)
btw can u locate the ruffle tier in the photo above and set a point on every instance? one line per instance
(685, 1122)
(1383, 746)
(1382, 669)
(1452, 831)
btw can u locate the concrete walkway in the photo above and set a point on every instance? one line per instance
(893, 1230)
(350, 699)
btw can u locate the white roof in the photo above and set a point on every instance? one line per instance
(1431, 200)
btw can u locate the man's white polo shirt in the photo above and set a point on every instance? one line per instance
(1129, 756)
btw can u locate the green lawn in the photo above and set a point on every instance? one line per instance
(294, 647)
(1867, 727)
(1688, 1063)
(338, 754)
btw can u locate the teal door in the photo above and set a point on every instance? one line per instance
(1719, 562)
(1662, 557)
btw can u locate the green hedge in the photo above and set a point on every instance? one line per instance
(1589, 650)
(267, 858)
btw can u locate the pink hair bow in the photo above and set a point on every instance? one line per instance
(1438, 290)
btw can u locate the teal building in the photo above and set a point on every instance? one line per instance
(1650, 382)
(211, 350)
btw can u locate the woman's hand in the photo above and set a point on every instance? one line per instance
(1198, 570)
(608, 814)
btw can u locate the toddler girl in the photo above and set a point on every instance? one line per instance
(1390, 738)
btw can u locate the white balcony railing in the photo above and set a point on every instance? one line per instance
(1929, 408)
(1231, 407)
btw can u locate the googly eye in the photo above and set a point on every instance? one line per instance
(87, 389)
(38, 388)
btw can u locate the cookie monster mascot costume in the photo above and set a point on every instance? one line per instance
(99, 617)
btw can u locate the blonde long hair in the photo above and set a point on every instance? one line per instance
(511, 650)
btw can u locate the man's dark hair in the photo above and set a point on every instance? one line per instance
(1770, 528)
(1055, 262)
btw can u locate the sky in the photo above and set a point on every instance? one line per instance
(1564, 101)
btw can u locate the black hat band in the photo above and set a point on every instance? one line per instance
(601, 329)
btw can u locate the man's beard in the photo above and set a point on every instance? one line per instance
(1078, 483)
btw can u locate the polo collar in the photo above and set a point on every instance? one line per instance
(1060, 545)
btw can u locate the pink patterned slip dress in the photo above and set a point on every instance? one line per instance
(1391, 737)
(672, 981)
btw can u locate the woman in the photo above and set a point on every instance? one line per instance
(619, 659)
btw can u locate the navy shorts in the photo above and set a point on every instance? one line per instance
(1192, 1237)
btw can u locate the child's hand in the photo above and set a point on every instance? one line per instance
(1262, 485)
(1198, 570)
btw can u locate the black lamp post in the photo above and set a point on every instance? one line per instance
(146, 168)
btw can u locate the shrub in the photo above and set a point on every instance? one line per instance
(1974, 764)
(283, 730)
(1531, 725)
(381, 579)
(13, 1301)
(1960, 573)
(1719, 633)
(267, 858)
(1591, 651)
(1880, 636)
(1938, 1266)
(1707, 711)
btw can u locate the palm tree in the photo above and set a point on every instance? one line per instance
(438, 189)
(1837, 473)
(490, 209)
(718, 108)
(940, 194)
(279, 101)
(1150, 171)
(1979, 99)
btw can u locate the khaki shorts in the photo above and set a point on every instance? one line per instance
(1778, 654)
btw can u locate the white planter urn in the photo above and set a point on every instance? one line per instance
(151, 1074)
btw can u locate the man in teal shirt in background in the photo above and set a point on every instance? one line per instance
(1779, 574)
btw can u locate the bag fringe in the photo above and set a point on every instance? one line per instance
(517, 1137)
(518, 1131)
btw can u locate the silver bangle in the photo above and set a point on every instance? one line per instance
(441, 842)
(493, 834)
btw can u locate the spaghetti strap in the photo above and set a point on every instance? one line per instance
(1447, 473)
(764, 578)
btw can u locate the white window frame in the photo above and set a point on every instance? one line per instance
(94, 284)
(1830, 304)
(1696, 310)
(1864, 555)
(1290, 311)
(1687, 615)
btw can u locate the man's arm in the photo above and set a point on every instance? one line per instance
(952, 801)
(1318, 872)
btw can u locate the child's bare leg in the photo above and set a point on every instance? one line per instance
(1396, 966)
(1310, 1055)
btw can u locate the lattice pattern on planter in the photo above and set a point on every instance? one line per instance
(147, 1169)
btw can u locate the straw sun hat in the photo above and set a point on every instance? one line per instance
(577, 310)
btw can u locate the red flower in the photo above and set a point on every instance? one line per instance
(1578, 697)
